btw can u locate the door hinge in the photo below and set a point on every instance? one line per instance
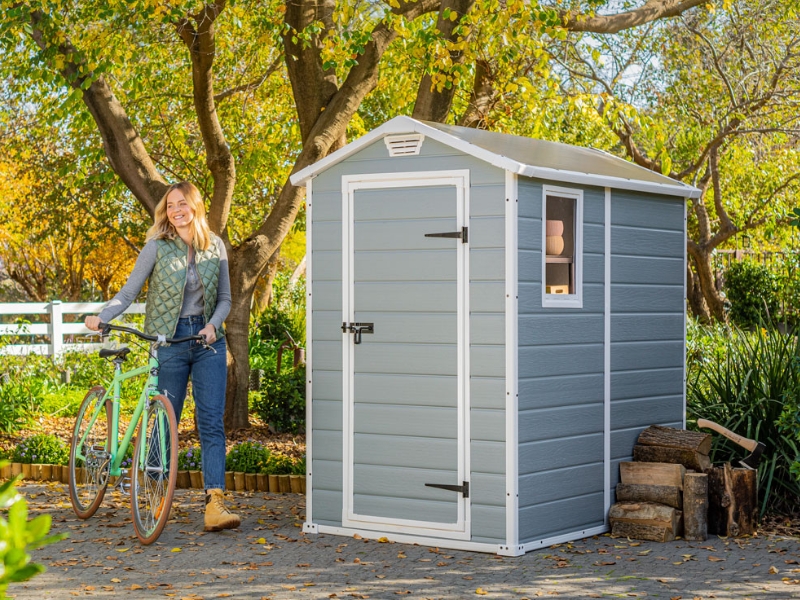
(463, 235)
(463, 488)
(358, 329)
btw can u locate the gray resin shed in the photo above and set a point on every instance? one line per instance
(492, 320)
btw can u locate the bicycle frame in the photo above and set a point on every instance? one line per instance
(118, 447)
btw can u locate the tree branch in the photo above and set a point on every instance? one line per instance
(650, 11)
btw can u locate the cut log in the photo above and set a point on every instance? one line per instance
(690, 459)
(635, 531)
(662, 494)
(650, 473)
(662, 523)
(695, 507)
(656, 435)
(732, 501)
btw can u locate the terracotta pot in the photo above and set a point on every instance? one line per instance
(284, 484)
(554, 227)
(47, 472)
(554, 245)
(196, 477)
(230, 484)
(296, 483)
(274, 486)
(250, 482)
(262, 482)
(239, 481)
(184, 480)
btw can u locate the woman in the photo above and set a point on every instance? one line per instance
(188, 294)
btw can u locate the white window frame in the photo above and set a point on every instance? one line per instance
(564, 300)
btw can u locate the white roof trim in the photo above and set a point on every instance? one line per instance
(407, 125)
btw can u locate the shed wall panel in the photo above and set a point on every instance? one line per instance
(560, 380)
(647, 318)
(429, 336)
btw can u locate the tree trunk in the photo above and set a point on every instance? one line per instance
(701, 257)
(237, 324)
(694, 295)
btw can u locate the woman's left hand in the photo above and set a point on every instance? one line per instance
(209, 332)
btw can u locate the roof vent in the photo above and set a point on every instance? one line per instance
(404, 145)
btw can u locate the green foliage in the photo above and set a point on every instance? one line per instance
(284, 319)
(191, 459)
(299, 466)
(751, 289)
(277, 464)
(752, 389)
(246, 457)
(281, 402)
(41, 448)
(18, 536)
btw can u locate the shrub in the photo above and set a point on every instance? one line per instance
(190, 459)
(41, 449)
(246, 457)
(299, 466)
(18, 536)
(753, 390)
(277, 464)
(751, 289)
(281, 402)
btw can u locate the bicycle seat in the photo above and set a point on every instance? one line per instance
(121, 352)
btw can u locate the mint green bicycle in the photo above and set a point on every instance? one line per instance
(96, 452)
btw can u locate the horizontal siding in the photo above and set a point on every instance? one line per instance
(560, 381)
(647, 318)
(400, 375)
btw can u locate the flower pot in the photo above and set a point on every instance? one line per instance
(239, 482)
(274, 488)
(230, 483)
(196, 477)
(296, 483)
(554, 245)
(262, 482)
(184, 480)
(26, 471)
(47, 472)
(284, 484)
(16, 469)
(250, 482)
(554, 227)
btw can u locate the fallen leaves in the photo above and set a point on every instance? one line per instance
(481, 592)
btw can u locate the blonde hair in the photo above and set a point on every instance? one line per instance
(162, 229)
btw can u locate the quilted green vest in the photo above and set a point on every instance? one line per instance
(168, 279)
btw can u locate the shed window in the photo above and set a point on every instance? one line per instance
(562, 236)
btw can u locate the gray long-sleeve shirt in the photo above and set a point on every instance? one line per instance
(193, 303)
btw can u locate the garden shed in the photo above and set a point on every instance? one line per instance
(492, 320)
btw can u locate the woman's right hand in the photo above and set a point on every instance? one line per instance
(92, 322)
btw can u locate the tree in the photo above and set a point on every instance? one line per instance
(710, 99)
(134, 81)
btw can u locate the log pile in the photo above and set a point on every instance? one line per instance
(661, 495)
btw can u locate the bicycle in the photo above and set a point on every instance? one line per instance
(97, 454)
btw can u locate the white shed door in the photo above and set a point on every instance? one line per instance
(405, 342)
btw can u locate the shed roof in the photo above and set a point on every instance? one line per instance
(522, 155)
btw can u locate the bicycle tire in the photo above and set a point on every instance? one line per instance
(89, 465)
(155, 470)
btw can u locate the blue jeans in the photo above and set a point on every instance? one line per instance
(209, 374)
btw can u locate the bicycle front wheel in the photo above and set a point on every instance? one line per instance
(155, 469)
(89, 454)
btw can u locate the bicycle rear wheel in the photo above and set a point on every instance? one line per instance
(89, 457)
(155, 469)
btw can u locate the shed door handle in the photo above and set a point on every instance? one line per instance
(463, 488)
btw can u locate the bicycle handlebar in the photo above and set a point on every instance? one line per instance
(106, 327)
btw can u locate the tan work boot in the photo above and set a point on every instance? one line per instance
(218, 517)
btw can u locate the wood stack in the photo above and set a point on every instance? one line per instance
(660, 492)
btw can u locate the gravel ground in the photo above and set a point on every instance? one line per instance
(269, 557)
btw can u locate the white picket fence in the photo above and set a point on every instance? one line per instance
(60, 335)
